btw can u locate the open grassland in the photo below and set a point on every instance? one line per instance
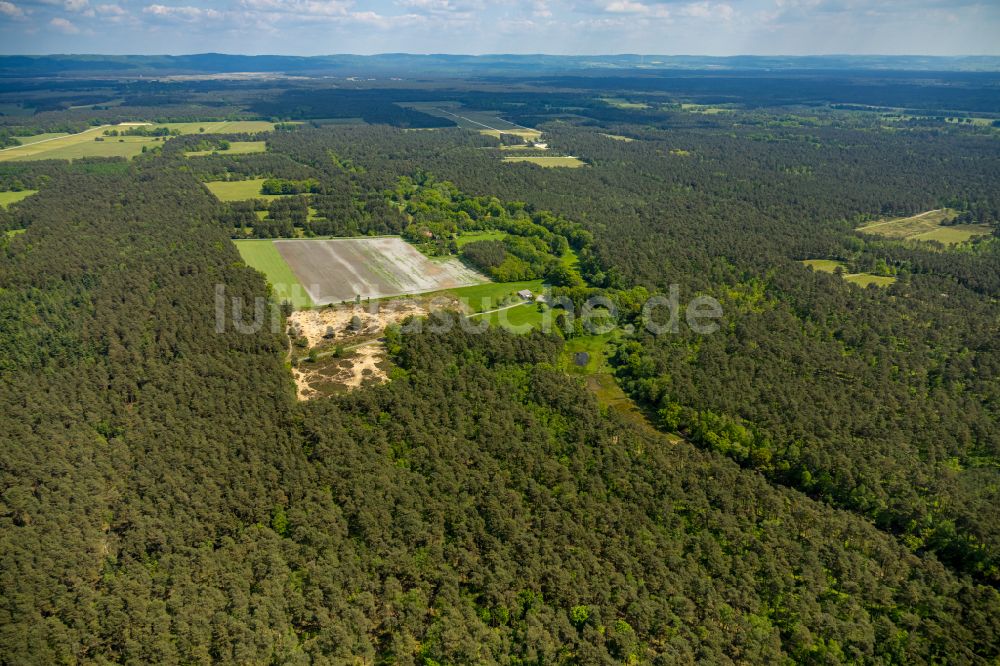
(263, 256)
(929, 226)
(860, 279)
(486, 122)
(57, 147)
(523, 148)
(596, 349)
(703, 108)
(220, 127)
(235, 148)
(519, 318)
(8, 198)
(472, 236)
(618, 137)
(825, 265)
(550, 162)
(955, 234)
(239, 190)
(492, 295)
(619, 103)
(865, 279)
(338, 270)
(75, 146)
(28, 140)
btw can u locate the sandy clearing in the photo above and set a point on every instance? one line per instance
(329, 327)
(332, 324)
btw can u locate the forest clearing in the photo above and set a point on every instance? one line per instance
(235, 148)
(860, 279)
(550, 162)
(339, 348)
(932, 225)
(485, 122)
(92, 142)
(8, 198)
(239, 190)
(339, 270)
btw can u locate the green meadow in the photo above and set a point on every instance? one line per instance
(860, 279)
(263, 256)
(8, 198)
(549, 162)
(235, 148)
(491, 295)
(929, 226)
(239, 190)
(472, 236)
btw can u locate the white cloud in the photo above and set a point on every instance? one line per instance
(76, 5)
(300, 7)
(10, 10)
(110, 10)
(64, 26)
(184, 13)
(707, 10)
(541, 9)
(626, 7)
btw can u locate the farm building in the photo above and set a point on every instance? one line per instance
(526, 294)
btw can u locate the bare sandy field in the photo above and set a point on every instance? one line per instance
(337, 270)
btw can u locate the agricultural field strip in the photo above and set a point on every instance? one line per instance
(342, 269)
(55, 138)
(476, 122)
(927, 226)
(874, 225)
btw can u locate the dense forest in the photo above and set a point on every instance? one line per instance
(164, 498)
(801, 385)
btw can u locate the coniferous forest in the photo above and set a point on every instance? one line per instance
(817, 481)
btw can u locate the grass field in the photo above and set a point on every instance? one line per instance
(28, 140)
(472, 236)
(220, 127)
(595, 346)
(703, 108)
(618, 137)
(235, 148)
(929, 226)
(486, 122)
(57, 147)
(491, 295)
(15, 232)
(549, 162)
(239, 190)
(865, 279)
(263, 256)
(519, 319)
(860, 279)
(825, 265)
(623, 103)
(75, 146)
(955, 234)
(7, 198)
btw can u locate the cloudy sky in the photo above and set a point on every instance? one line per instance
(309, 27)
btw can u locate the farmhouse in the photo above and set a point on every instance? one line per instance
(526, 294)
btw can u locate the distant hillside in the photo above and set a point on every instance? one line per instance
(213, 63)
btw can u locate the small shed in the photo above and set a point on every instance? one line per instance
(526, 294)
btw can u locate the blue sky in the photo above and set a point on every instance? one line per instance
(310, 27)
